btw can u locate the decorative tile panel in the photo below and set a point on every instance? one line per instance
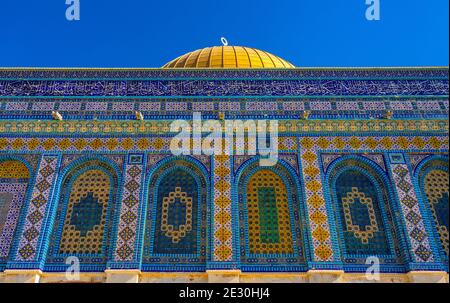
(32, 230)
(128, 227)
(223, 234)
(411, 213)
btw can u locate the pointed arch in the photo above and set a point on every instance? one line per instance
(176, 225)
(432, 177)
(364, 206)
(272, 236)
(88, 193)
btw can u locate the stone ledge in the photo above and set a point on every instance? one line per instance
(428, 277)
(223, 276)
(84, 278)
(22, 276)
(325, 276)
(276, 277)
(122, 276)
(383, 278)
(173, 277)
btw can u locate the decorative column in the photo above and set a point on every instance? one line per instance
(29, 258)
(317, 211)
(125, 266)
(222, 266)
(420, 252)
(324, 266)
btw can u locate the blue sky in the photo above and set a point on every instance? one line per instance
(148, 33)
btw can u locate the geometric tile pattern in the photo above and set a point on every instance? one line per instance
(37, 209)
(86, 212)
(239, 160)
(366, 219)
(271, 218)
(315, 201)
(12, 198)
(418, 236)
(176, 225)
(292, 160)
(436, 187)
(176, 229)
(74, 144)
(84, 215)
(180, 201)
(327, 159)
(13, 169)
(163, 127)
(99, 107)
(68, 159)
(397, 158)
(268, 214)
(377, 158)
(364, 231)
(329, 143)
(120, 144)
(223, 235)
(309, 149)
(416, 159)
(129, 213)
(357, 197)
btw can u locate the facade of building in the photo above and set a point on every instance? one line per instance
(361, 180)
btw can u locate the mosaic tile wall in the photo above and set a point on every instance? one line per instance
(436, 191)
(281, 107)
(271, 218)
(14, 179)
(99, 185)
(365, 208)
(127, 233)
(432, 177)
(85, 208)
(274, 214)
(176, 224)
(33, 232)
(360, 215)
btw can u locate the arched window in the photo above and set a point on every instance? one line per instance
(365, 213)
(434, 179)
(269, 212)
(85, 208)
(176, 229)
(14, 178)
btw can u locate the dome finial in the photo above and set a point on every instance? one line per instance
(224, 41)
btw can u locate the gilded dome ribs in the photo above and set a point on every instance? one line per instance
(228, 57)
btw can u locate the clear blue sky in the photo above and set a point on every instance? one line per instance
(148, 33)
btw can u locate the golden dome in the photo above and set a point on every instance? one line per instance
(228, 57)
